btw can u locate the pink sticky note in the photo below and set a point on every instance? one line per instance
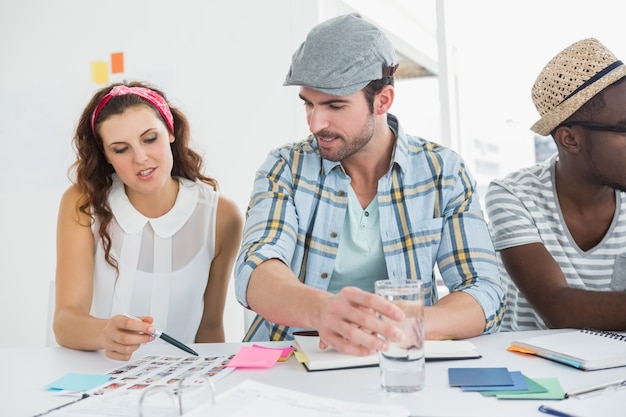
(284, 355)
(251, 357)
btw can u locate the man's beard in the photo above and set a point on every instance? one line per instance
(349, 148)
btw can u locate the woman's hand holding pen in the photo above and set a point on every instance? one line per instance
(123, 335)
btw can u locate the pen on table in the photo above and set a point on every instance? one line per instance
(169, 339)
(82, 397)
(553, 412)
(594, 388)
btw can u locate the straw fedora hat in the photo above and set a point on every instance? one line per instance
(570, 79)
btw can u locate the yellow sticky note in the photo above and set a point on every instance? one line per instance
(301, 357)
(99, 72)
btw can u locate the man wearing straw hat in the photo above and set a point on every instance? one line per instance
(359, 201)
(560, 227)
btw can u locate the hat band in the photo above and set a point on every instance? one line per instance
(594, 78)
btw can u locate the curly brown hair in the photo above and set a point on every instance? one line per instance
(92, 173)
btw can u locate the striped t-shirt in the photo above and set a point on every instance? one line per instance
(522, 209)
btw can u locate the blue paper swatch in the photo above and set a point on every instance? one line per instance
(78, 382)
(519, 384)
(458, 377)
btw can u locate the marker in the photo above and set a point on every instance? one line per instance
(169, 339)
(612, 384)
(553, 412)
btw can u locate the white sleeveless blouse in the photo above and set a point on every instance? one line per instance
(163, 263)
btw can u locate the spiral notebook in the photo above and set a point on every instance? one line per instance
(584, 349)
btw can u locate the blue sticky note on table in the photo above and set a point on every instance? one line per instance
(519, 384)
(78, 382)
(458, 377)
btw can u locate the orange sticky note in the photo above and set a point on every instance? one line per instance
(117, 62)
(520, 349)
(99, 73)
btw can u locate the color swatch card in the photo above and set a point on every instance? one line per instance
(458, 377)
(519, 384)
(532, 387)
(504, 384)
(552, 386)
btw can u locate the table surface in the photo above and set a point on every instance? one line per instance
(26, 371)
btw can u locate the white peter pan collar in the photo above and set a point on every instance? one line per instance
(133, 222)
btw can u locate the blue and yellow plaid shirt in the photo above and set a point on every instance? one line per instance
(430, 217)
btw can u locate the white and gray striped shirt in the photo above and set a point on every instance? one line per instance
(522, 209)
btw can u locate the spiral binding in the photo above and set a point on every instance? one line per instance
(605, 333)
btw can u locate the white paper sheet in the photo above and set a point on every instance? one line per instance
(248, 397)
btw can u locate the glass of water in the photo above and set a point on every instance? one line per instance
(402, 366)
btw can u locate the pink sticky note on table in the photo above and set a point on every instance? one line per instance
(251, 357)
(284, 355)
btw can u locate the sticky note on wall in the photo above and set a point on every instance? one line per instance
(117, 62)
(99, 72)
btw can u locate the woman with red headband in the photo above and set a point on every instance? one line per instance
(141, 231)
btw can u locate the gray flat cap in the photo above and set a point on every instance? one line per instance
(341, 56)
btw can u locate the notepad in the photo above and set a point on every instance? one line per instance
(583, 349)
(316, 359)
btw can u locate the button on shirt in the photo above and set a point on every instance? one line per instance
(360, 259)
(429, 215)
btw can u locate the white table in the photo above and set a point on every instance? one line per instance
(25, 372)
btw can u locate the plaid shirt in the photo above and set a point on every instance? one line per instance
(430, 216)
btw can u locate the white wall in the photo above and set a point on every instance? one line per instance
(221, 62)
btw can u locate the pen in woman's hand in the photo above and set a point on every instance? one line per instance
(169, 339)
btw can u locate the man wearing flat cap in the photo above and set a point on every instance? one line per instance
(560, 226)
(360, 201)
